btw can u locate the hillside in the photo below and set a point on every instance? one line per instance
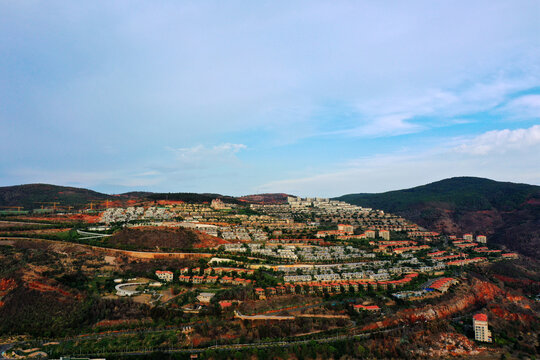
(508, 213)
(161, 239)
(192, 197)
(266, 199)
(29, 196)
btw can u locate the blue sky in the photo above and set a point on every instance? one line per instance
(306, 97)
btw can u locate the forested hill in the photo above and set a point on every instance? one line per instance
(192, 197)
(508, 212)
(31, 195)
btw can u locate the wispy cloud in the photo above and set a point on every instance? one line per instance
(509, 155)
(203, 155)
(294, 81)
(501, 141)
(523, 107)
(387, 125)
(411, 114)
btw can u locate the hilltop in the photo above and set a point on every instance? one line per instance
(267, 199)
(508, 213)
(29, 195)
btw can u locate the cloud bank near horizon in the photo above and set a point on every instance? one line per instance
(310, 97)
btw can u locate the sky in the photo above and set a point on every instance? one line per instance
(312, 98)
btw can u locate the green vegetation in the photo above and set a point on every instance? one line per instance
(29, 196)
(460, 193)
(193, 198)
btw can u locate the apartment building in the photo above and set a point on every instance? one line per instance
(480, 325)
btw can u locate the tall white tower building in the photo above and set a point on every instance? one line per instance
(481, 331)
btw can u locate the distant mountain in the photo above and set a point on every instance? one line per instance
(192, 197)
(508, 213)
(266, 199)
(31, 195)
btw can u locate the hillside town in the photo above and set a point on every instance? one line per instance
(314, 246)
(356, 268)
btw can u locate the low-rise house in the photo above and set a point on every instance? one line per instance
(184, 278)
(291, 289)
(260, 293)
(271, 291)
(165, 275)
(347, 229)
(466, 261)
(205, 297)
(197, 279)
(226, 280)
(360, 307)
(385, 234)
(481, 239)
(442, 284)
(370, 234)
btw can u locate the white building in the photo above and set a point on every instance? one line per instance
(165, 275)
(481, 331)
(481, 239)
(205, 297)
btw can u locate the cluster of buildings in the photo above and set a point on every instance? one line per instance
(209, 276)
(432, 288)
(256, 249)
(332, 287)
(331, 253)
(327, 205)
(114, 215)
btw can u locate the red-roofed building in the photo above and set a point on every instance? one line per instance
(360, 307)
(197, 279)
(443, 284)
(260, 293)
(165, 275)
(436, 253)
(347, 229)
(480, 317)
(184, 278)
(481, 330)
(225, 304)
(466, 261)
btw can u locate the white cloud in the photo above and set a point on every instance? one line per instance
(501, 141)
(387, 125)
(524, 107)
(85, 178)
(505, 155)
(202, 154)
(395, 115)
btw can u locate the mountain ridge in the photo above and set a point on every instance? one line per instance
(509, 213)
